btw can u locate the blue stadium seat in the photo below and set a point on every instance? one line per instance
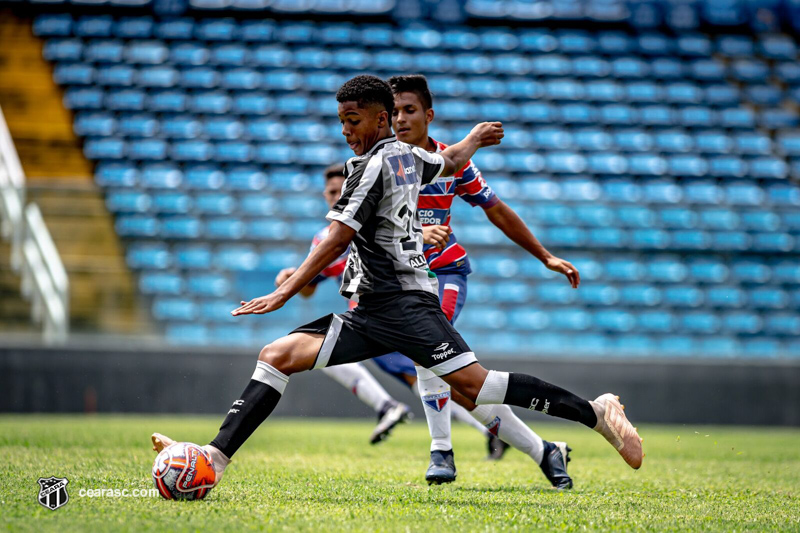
(125, 100)
(715, 142)
(615, 320)
(181, 227)
(557, 294)
(176, 309)
(727, 167)
(655, 44)
(63, 50)
(204, 177)
(615, 43)
(768, 298)
(673, 141)
(569, 319)
(105, 148)
(624, 269)
(128, 201)
(211, 102)
(788, 72)
(683, 93)
(134, 27)
(700, 322)
(138, 125)
(73, 74)
(725, 297)
(180, 126)
(214, 203)
(53, 25)
(158, 77)
(95, 124)
(147, 149)
(773, 242)
(656, 321)
(171, 202)
(742, 322)
(707, 70)
(722, 95)
(193, 257)
(189, 54)
(161, 176)
(116, 175)
(640, 295)
(116, 75)
(779, 47)
(136, 226)
(199, 78)
(677, 218)
(598, 294)
(161, 283)
(764, 95)
(526, 318)
(649, 238)
(266, 229)
(636, 216)
(667, 69)
(229, 55)
(683, 296)
(259, 205)
(216, 29)
(604, 91)
(175, 29)
(224, 228)
(761, 220)
(93, 26)
(154, 256)
(667, 269)
(146, 52)
(703, 192)
(208, 285)
(784, 195)
(169, 101)
(778, 119)
(750, 272)
(782, 324)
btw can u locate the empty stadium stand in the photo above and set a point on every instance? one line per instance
(659, 153)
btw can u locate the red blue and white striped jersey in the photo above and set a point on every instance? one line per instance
(433, 208)
(335, 269)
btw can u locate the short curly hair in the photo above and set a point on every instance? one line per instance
(413, 83)
(335, 170)
(366, 90)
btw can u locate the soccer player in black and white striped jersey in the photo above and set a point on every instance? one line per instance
(398, 300)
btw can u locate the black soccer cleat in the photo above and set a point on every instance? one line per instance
(497, 448)
(442, 468)
(554, 464)
(388, 418)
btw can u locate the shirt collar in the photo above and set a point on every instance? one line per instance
(380, 143)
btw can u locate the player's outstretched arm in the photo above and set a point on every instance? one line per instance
(457, 155)
(286, 273)
(333, 246)
(510, 223)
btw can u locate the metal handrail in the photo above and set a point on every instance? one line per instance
(33, 254)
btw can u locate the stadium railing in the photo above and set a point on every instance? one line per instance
(33, 255)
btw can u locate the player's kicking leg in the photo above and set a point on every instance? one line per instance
(276, 362)
(356, 378)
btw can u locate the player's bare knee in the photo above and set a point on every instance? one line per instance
(462, 400)
(277, 356)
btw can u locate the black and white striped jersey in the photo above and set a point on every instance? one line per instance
(379, 201)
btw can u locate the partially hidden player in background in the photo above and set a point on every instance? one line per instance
(390, 412)
(413, 113)
(386, 272)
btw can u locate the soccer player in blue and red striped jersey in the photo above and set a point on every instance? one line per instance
(413, 113)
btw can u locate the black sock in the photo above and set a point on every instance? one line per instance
(537, 395)
(246, 414)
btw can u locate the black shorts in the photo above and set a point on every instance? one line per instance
(409, 322)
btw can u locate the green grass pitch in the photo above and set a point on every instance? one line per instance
(322, 475)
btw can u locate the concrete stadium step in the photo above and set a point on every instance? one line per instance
(15, 312)
(32, 103)
(103, 296)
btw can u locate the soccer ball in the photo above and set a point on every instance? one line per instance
(183, 471)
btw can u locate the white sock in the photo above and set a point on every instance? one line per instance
(500, 420)
(218, 459)
(464, 416)
(435, 396)
(357, 379)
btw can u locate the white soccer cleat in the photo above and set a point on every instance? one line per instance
(617, 429)
(160, 442)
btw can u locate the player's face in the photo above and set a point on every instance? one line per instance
(410, 119)
(362, 126)
(333, 190)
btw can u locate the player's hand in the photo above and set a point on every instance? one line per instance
(564, 267)
(260, 306)
(283, 275)
(436, 235)
(487, 133)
